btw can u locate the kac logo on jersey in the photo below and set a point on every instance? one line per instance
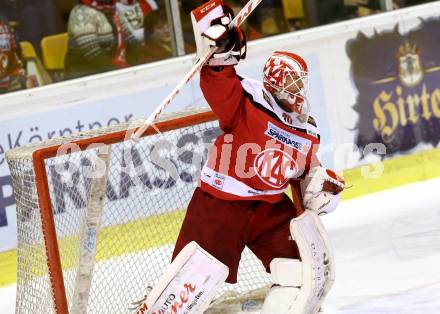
(300, 144)
(275, 167)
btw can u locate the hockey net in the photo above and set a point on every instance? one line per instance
(143, 201)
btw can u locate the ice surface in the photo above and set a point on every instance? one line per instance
(387, 252)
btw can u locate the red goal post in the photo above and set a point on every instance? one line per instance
(141, 214)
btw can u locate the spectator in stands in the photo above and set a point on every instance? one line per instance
(320, 12)
(188, 35)
(358, 8)
(36, 19)
(64, 7)
(294, 14)
(104, 35)
(157, 36)
(268, 18)
(12, 73)
(91, 39)
(407, 3)
(129, 21)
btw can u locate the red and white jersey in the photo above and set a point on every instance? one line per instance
(262, 147)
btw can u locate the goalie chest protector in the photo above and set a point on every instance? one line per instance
(262, 146)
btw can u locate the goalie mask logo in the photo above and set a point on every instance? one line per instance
(275, 167)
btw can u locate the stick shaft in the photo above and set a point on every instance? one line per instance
(91, 228)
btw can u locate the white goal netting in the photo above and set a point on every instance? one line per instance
(148, 186)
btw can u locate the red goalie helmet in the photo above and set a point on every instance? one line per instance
(286, 77)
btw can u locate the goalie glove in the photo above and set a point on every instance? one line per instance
(211, 29)
(321, 190)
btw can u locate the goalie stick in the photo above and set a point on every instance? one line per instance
(92, 225)
(237, 21)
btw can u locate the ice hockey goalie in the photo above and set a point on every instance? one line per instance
(269, 142)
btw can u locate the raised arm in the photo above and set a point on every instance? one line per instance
(224, 93)
(218, 80)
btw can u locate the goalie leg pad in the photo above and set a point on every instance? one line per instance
(304, 284)
(287, 275)
(188, 285)
(286, 272)
(318, 267)
(280, 300)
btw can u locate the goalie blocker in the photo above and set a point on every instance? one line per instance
(212, 28)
